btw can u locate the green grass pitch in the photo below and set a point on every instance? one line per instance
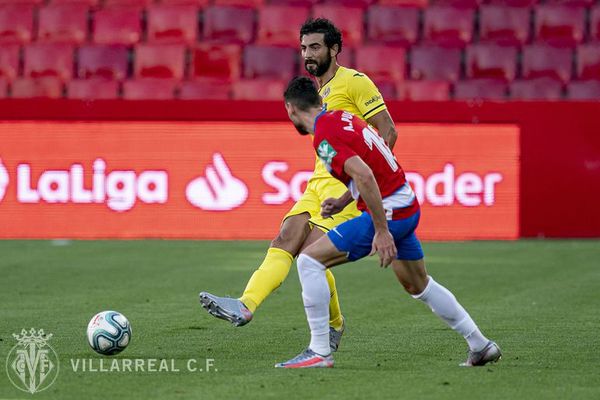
(540, 300)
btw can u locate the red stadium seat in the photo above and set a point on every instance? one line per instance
(128, 3)
(584, 90)
(22, 2)
(241, 3)
(545, 61)
(214, 61)
(484, 89)
(473, 4)
(349, 21)
(117, 26)
(381, 62)
(149, 89)
(386, 87)
(435, 63)
(49, 60)
(89, 3)
(16, 23)
(574, 3)
(269, 62)
(172, 24)
(352, 3)
(560, 25)
(504, 25)
(25, 88)
(405, 3)
(66, 23)
(258, 89)
(209, 89)
(423, 90)
(229, 24)
(536, 89)
(393, 25)
(588, 61)
(3, 88)
(296, 3)
(515, 3)
(108, 62)
(164, 61)
(448, 26)
(9, 61)
(491, 61)
(197, 3)
(97, 89)
(595, 23)
(279, 25)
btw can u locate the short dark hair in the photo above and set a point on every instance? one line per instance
(332, 35)
(302, 92)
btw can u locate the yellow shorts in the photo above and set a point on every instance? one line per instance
(316, 192)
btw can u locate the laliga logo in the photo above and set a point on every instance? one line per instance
(3, 180)
(219, 190)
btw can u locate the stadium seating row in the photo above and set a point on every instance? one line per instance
(232, 62)
(68, 21)
(266, 89)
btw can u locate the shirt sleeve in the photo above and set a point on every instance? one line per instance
(365, 95)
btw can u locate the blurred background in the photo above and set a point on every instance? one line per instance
(234, 49)
(115, 114)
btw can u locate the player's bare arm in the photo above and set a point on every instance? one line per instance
(382, 121)
(383, 242)
(332, 206)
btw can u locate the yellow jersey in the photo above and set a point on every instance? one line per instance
(351, 91)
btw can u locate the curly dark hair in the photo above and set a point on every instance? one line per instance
(332, 35)
(302, 92)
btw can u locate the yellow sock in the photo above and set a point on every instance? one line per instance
(268, 277)
(335, 313)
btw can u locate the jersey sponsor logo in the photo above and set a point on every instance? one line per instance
(4, 179)
(326, 92)
(326, 152)
(358, 74)
(218, 189)
(372, 100)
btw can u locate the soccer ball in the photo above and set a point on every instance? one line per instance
(109, 333)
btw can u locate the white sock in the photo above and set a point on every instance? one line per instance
(443, 303)
(315, 294)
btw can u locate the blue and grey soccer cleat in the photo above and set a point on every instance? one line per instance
(232, 310)
(335, 336)
(308, 359)
(490, 353)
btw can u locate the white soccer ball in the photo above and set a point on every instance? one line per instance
(109, 333)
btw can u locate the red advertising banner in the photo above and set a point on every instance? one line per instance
(228, 180)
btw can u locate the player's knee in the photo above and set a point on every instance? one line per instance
(292, 234)
(414, 286)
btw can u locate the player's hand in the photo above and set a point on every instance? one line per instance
(384, 246)
(331, 206)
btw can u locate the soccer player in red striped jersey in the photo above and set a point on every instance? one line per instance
(357, 156)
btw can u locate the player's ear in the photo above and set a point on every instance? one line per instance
(334, 50)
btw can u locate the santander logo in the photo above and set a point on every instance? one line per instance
(218, 189)
(4, 179)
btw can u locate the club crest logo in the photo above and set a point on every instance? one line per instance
(326, 152)
(32, 365)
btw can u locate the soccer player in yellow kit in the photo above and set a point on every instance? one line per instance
(326, 202)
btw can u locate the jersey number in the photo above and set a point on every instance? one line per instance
(372, 138)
